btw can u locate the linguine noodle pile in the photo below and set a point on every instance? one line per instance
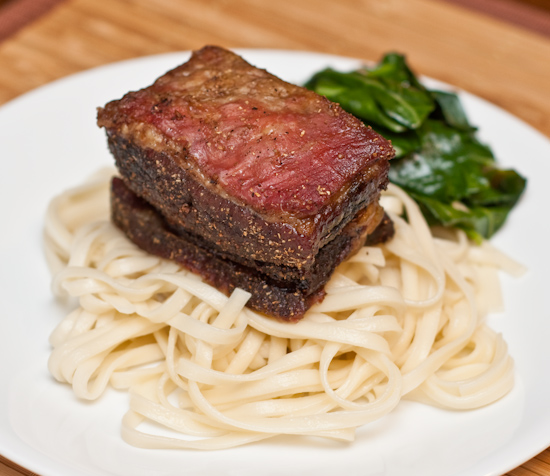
(404, 319)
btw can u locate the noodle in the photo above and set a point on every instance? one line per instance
(404, 319)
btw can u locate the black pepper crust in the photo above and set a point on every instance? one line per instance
(189, 205)
(303, 278)
(285, 299)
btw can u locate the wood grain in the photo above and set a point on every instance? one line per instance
(17, 13)
(506, 65)
(512, 11)
(9, 468)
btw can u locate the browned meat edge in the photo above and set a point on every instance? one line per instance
(286, 300)
(188, 205)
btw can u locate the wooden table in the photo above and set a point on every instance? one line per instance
(506, 64)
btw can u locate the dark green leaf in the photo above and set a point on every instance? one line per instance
(439, 160)
(395, 66)
(355, 96)
(478, 222)
(447, 165)
(451, 110)
(389, 95)
(506, 187)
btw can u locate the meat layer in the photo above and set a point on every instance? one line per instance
(250, 163)
(188, 205)
(285, 299)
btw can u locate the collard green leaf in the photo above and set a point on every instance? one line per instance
(394, 65)
(439, 160)
(388, 95)
(446, 166)
(454, 178)
(477, 222)
(355, 96)
(451, 110)
(506, 187)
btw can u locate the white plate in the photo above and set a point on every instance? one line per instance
(49, 142)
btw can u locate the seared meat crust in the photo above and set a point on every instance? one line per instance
(285, 299)
(230, 152)
(188, 205)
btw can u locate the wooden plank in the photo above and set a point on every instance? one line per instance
(447, 42)
(9, 468)
(521, 471)
(545, 456)
(16, 14)
(537, 466)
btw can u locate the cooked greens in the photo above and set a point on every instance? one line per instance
(439, 160)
